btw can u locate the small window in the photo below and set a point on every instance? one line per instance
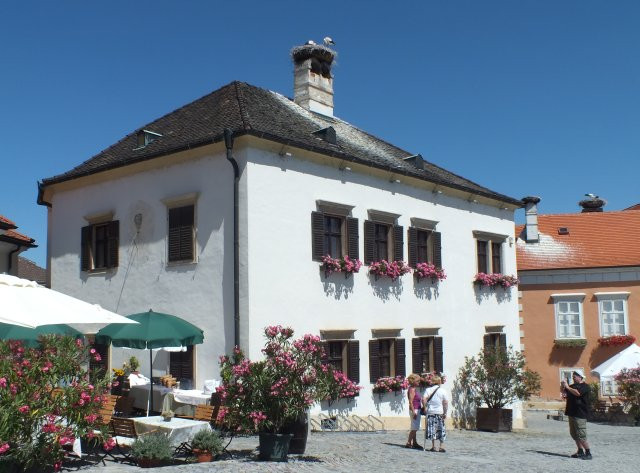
(386, 358)
(99, 244)
(334, 235)
(424, 247)
(427, 354)
(565, 374)
(495, 340)
(608, 387)
(344, 355)
(382, 241)
(146, 137)
(489, 256)
(568, 313)
(181, 365)
(181, 238)
(612, 308)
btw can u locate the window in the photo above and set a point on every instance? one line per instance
(568, 310)
(181, 242)
(424, 247)
(608, 387)
(99, 242)
(386, 358)
(612, 308)
(489, 252)
(426, 354)
(383, 238)
(565, 374)
(495, 340)
(146, 137)
(98, 369)
(181, 364)
(334, 233)
(344, 355)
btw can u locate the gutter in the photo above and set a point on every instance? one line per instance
(18, 247)
(228, 142)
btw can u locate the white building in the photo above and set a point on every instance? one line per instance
(149, 223)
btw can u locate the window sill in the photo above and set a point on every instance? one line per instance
(99, 271)
(173, 264)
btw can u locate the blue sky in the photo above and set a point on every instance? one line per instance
(524, 97)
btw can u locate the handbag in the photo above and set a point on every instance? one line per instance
(424, 408)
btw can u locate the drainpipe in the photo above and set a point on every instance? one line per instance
(228, 142)
(9, 263)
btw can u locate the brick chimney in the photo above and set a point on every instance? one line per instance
(312, 79)
(531, 234)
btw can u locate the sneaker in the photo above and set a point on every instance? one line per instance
(587, 456)
(578, 454)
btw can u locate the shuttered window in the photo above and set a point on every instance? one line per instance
(489, 254)
(344, 355)
(482, 256)
(181, 241)
(333, 235)
(382, 241)
(427, 354)
(181, 364)
(424, 247)
(386, 358)
(98, 369)
(99, 246)
(495, 340)
(496, 257)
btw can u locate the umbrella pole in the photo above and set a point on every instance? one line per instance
(150, 404)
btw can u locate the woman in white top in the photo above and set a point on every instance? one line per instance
(435, 404)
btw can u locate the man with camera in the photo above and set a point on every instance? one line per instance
(577, 396)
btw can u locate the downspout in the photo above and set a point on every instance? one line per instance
(9, 264)
(228, 142)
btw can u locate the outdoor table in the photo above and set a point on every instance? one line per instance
(178, 430)
(183, 401)
(140, 396)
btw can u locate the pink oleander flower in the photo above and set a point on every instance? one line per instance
(109, 444)
(3, 382)
(23, 409)
(428, 270)
(393, 269)
(91, 418)
(4, 447)
(340, 265)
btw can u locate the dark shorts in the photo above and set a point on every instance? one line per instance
(578, 428)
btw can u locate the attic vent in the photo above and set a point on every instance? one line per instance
(327, 134)
(416, 160)
(146, 137)
(563, 230)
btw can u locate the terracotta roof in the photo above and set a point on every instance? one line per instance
(12, 236)
(5, 223)
(250, 110)
(594, 239)
(633, 207)
(27, 269)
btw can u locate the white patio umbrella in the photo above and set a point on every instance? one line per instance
(28, 304)
(627, 358)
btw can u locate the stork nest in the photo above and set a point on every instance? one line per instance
(309, 51)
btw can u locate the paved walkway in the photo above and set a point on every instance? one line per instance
(543, 446)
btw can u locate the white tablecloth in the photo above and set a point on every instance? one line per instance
(178, 430)
(191, 396)
(140, 396)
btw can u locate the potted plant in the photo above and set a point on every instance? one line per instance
(344, 265)
(268, 396)
(616, 340)
(570, 342)
(497, 377)
(167, 415)
(206, 445)
(132, 366)
(393, 269)
(428, 270)
(390, 385)
(495, 279)
(151, 450)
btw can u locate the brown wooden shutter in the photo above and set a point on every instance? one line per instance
(374, 361)
(317, 236)
(487, 341)
(398, 243)
(181, 364)
(437, 355)
(436, 239)
(503, 341)
(353, 245)
(369, 237)
(412, 237)
(401, 367)
(187, 219)
(416, 362)
(353, 366)
(113, 239)
(85, 247)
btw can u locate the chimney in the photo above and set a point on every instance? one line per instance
(592, 204)
(531, 234)
(312, 80)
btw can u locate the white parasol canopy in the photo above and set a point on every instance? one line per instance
(627, 358)
(28, 304)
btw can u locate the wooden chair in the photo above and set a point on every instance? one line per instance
(204, 412)
(124, 406)
(600, 410)
(123, 430)
(616, 413)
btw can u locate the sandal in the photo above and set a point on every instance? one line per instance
(408, 445)
(432, 449)
(442, 450)
(417, 447)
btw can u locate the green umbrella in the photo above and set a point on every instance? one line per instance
(30, 336)
(153, 330)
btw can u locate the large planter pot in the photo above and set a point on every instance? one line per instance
(8, 465)
(494, 420)
(274, 447)
(299, 429)
(148, 462)
(203, 456)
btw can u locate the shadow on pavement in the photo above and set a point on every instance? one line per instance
(551, 454)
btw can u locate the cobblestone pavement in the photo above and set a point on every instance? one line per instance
(544, 446)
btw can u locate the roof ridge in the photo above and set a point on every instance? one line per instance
(243, 113)
(575, 214)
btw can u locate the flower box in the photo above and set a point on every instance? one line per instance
(570, 342)
(428, 270)
(616, 340)
(390, 384)
(496, 279)
(393, 269)
(344, 265)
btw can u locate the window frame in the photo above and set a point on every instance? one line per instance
(434, 352)
(394, 237)
(568, 378)
(349, 233)
(350, 351)
(397, 357)
(89, 244)
(603, 297)
(568, 298)
(183, 201)
(491, 241)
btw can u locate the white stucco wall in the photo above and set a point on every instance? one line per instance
(285, 286)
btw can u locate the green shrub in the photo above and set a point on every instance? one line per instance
(207, 440)
(152, 446)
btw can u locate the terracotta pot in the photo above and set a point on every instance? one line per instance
(494, 420)
(203, 456)
(148, 462)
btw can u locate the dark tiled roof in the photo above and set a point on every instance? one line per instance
(6, 224)
(27, 269)
(592, 240)
(247, 109)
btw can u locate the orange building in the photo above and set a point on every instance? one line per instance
(579, 289)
